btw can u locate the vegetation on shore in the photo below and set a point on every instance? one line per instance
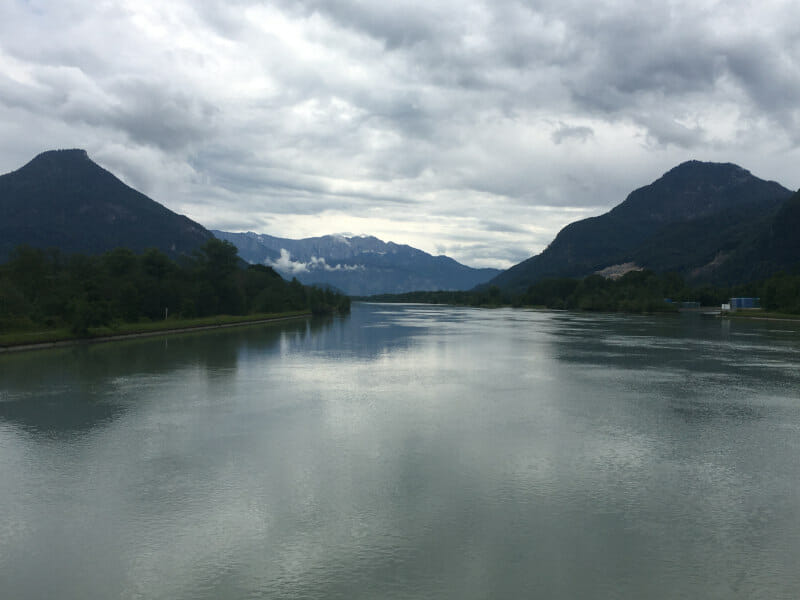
(634, 292)
(49, 295)
(119, 329)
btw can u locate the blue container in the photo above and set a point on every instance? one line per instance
(745, 303)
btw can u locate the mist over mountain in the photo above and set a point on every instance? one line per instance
(63, 199)
(699, 219)
(359, 265)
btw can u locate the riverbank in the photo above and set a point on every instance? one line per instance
(759, 315)
(55, 338)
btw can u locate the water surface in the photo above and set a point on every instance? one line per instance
(408, 452)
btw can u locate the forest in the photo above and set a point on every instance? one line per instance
(45, 289)
(635, 292)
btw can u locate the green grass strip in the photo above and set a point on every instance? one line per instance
(48, 336)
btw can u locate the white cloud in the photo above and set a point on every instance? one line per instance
(285, 264)
(317, 263)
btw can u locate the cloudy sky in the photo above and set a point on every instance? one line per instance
(472, 128)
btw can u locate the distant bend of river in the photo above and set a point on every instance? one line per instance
(408, 451)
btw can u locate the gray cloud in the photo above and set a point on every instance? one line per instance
(567, 132)
(480, 127)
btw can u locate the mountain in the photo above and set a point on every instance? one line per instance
(773, 247)
(358, 266)
(693, 220)
(62, 199)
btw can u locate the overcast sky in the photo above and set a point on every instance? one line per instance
(475, 129)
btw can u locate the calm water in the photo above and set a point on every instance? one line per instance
(408, 452)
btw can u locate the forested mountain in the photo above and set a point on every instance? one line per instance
(62, 199)
(773, 246)
(360, 265)
(699, 220)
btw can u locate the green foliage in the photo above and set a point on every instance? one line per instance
(42, 289)
(781, 293)
(635, 292)
(326, 301)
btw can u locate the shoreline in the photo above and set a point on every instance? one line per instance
(758, 315)
(142, 334)
(782, 319)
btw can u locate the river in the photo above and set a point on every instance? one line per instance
(408, 451)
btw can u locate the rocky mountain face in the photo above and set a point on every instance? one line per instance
(694, 220)
(359, 266)
(64, 200)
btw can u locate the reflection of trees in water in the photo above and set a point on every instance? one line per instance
(701, 369)
(60, 412)
(691, 344)
(366, 334)
(77, 388)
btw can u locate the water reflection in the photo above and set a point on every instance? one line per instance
(77, 388)
(700, 368)
(407, 452)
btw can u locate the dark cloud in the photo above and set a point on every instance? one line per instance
(567, 132)
(24, 96)
(503, 227)
(395, 24)
(147, 114)
(154, 115)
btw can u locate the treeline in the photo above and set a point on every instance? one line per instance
(781, 293)
(634, 292)
(44, 288)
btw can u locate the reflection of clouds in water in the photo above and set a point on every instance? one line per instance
(461, 454)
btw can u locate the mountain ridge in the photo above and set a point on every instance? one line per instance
(358, 265)
(680, 222)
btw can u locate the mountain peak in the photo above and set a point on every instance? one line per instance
(70, 155)
(63, 153)
(706, 165)
(697, 189)
(53, 162)
(713, 173)
(677, 223)
(63, 199)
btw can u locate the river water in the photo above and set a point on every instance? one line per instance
(408, 451)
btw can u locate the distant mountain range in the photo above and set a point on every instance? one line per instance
(710, 222)
(359, 266)
(62, 199)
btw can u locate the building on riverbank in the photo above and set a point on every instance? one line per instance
(744, 303)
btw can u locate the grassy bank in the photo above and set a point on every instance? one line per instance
(50, 336)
